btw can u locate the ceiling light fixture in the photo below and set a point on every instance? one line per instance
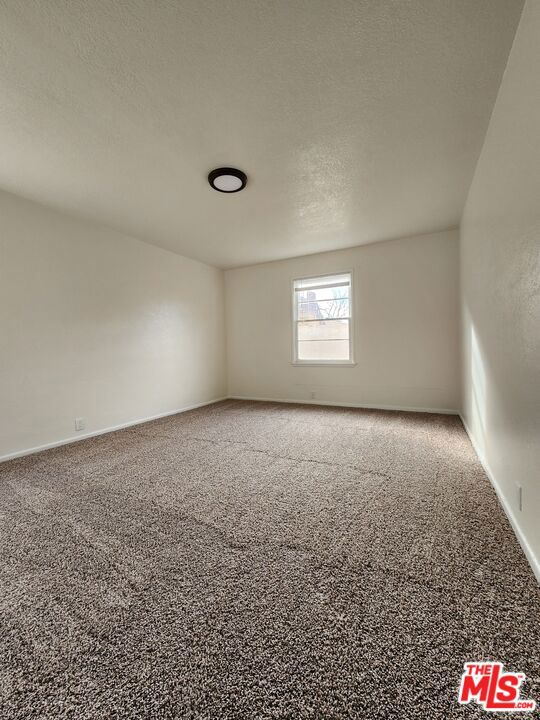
(227, 180)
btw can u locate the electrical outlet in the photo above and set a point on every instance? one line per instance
(313, 395)
(80, 423)
(519, 497)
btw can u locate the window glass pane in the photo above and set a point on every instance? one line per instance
(322, 295)
(323, 350)
(313, 309)
(322, 312)
(323, 330)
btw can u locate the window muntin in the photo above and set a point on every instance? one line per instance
(322, 319)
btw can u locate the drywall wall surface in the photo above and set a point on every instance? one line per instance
(97, 325)
(500, 270)
(406, 327)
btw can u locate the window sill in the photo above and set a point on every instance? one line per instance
(304, 363)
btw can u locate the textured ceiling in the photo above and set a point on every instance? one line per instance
(356, 120)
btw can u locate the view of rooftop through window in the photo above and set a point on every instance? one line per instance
(322, 317)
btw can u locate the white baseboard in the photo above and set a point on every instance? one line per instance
(533, 561)
(440, 411)
(103, 431)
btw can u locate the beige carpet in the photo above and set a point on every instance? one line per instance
(257, 560)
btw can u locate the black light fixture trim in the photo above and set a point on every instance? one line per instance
(218, 172)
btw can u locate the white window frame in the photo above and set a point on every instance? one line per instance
(325, 363)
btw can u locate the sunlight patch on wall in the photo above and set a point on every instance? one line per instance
(477, 389)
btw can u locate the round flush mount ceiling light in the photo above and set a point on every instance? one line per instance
(227, 180)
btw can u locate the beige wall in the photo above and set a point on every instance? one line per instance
(406, 313)
(98, 325)
(500, 267)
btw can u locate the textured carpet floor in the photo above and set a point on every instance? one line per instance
(257, 560)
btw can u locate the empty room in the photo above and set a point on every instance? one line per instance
(269, 359)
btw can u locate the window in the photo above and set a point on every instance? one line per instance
(322, 313)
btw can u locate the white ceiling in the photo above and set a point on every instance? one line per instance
(356, 120)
